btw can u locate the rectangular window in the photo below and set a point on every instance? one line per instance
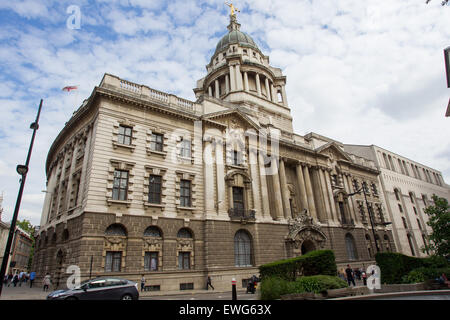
(184, 260)
(154, 189)
(185, 193)
(113, 261)
(151, 261)
(187, 286)
(238, 200)
(236, 160)
(156, 142)
(400, 208)
(185, 148)
(120, 186)
(124, 136)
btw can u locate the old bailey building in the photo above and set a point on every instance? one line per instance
(145, 182)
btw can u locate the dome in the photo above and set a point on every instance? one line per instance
(235, 37)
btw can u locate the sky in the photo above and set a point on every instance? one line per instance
(360, 72)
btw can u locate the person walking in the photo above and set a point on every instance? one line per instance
(208, 283)
(32, 277)
(349, 274)
(47, 281)
(15, 279)
(142, 283)
(10, 278)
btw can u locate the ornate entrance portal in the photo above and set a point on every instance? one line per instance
(304, 235)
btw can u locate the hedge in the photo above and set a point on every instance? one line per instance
(318, 262)
(273, 288)
(424, 274)
(394, 266)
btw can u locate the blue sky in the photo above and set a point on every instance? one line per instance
(361, 72)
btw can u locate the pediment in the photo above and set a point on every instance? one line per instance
(233, 119)
(333, 152)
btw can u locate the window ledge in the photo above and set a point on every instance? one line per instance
(160, 153)
(235, 166)
(185, 159)
(186, 208)
(124, 202)
(154, 205)
(131, 147)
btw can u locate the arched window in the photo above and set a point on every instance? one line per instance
(242, 249)
(351, 248)
(184, 233)
(116, 230)
(152, 232)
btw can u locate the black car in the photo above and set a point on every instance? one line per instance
(103, 288)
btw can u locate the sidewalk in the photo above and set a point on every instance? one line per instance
(23, 293)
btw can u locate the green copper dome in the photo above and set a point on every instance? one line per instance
(236, 37)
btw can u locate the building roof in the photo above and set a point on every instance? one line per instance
(235, 37)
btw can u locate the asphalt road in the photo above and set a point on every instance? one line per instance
(203, 296)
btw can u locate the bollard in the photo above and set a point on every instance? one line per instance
(233, 289)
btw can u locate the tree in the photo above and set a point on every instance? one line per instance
(439, 221)
(26, 225)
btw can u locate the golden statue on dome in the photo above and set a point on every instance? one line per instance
(232, 8)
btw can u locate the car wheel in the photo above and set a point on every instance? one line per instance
(127, 297)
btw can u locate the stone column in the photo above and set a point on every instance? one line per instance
(216, 85)
(254, 173)
(210, 91)
(350, 199)
(239, 85)
(283, 95)
(284, 190)
(273, 93)
(46, 210)
(330, 194)
(246, 88)
(279, 212)
(264, 190)
(220, 176)
(83, 180)
(71, 173)
(267, 89)
(208, 182)
(309, 192)
(227, 83)
(302, 187)
(258, 85)
(232, 79)
(325, 194)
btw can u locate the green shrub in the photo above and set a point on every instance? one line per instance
(395, 267)
(274, 287)
(423, 274)
(313, 263)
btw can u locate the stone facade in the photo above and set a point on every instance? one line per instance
(408, 187)
(144, 182)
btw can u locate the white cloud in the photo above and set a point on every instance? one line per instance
(363, 72)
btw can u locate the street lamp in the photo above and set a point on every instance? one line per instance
(22, 170)
(369, 210)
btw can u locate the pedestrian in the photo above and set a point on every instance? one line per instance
(15, 279)
(10, 278)
(21, 278)
(208, 283)
(47, 281)
(32, 277)
(364, 277)
(142, 283)
(349, 273)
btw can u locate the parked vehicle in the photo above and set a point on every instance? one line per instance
(102, 288)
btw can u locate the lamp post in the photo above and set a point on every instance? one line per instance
(369, 211)
(22, 170)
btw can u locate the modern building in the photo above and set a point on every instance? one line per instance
(407, 189)
(141, 181)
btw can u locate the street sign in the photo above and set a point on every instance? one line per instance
(447, 64)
